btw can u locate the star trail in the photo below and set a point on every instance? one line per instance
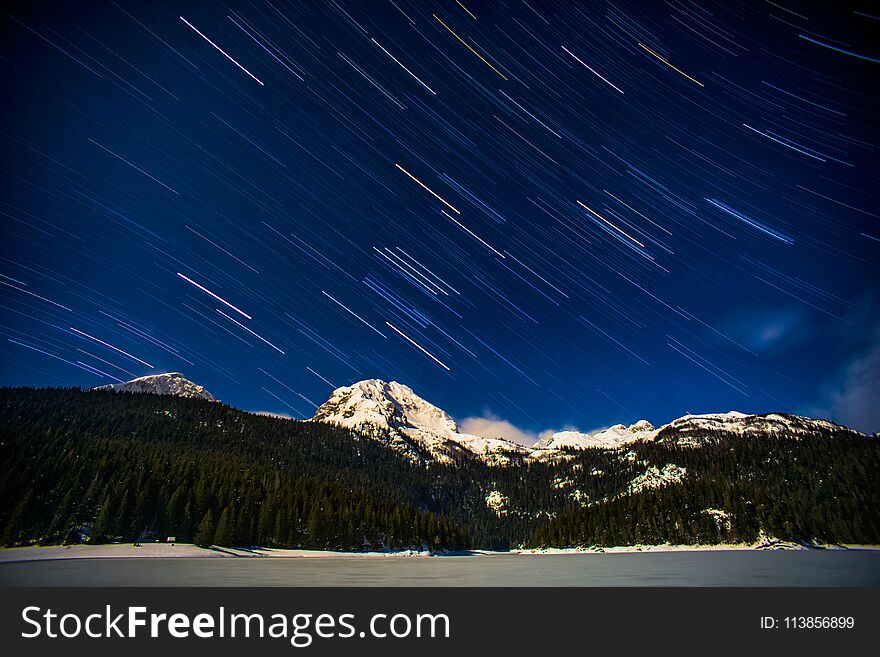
(563, 214)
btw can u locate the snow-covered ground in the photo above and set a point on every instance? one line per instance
(178, 550)
(183, 550)
(116, 550)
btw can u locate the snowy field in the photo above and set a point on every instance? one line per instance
(174, 551)
(119, 565)
(187, 550)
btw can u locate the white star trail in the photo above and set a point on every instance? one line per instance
(417, 346)
(110, 346)
(253, 333)
(223, 52)
(211, 294)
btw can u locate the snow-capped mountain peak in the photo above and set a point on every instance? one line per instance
(694, 430)
(610, 438)
(173, 383)
(392, 412)
(386, 404)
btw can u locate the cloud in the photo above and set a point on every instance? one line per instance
(492, 426)
(852, 397)
(548, 433)
(769, 329)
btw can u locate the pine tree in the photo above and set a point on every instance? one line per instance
(16, 520)
(223, 536)
(205, 535)
(103, 529)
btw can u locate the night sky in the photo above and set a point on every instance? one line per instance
(554, 214)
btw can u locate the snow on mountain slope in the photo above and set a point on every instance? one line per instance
(391, 412)
(686, 431)
(695, 430)
(655, 477)
(173, 383)
(609, 438)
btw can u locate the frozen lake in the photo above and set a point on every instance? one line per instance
(709, 568)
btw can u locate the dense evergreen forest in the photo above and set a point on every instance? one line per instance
(101, 466)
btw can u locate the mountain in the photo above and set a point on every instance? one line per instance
(100, 466)
(173, 383)
(148, 466)
(690, 428)
(393, 414)
(610, 438)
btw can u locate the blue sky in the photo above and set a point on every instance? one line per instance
(557, 215)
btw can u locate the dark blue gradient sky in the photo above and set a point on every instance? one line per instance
(559, 214)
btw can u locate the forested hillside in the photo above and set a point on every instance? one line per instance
(127, 466)
(818, 487)
(103, 466)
